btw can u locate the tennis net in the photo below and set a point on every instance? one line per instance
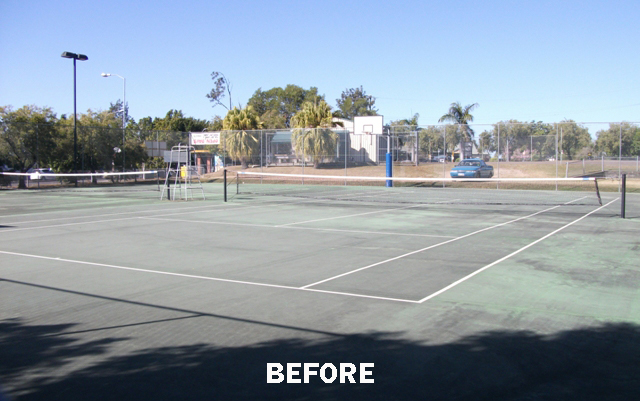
(45, 180)
(498, 191)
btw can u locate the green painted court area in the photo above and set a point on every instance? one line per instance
(124, 296)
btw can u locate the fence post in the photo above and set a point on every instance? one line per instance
(417, 154)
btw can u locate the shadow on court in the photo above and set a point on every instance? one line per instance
(587, 364)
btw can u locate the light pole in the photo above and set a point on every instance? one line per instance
(124, 110)
(75, 57)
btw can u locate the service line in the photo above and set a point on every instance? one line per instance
(427, 248)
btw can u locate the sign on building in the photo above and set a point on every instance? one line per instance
(205, 138)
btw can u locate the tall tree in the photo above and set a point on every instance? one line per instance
(175, 120)
(355, 102)
(312, 135)
(609, 140)
(171, 129)
(485, 142)
(28, 137)
(461, 116)
(431, 140)
(222, 87)
(277, 105)
(574, 138)
(515, 139)
(240, 140)
(117, 110)
(406, 133)
(543, 140)
(99, 134)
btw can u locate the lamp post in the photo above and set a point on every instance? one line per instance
(124, 111)
(75, 57)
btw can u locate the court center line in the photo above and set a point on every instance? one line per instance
(426, 248)
(467, 277)
(348, 215)
(135, 269)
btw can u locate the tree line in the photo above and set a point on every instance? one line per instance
(36, 136)
(512, 139)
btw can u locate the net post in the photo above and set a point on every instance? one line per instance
(169, 185)
(224, 174)
(623, 195)
(389, 162)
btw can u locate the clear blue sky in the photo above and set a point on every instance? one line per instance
(526, 60)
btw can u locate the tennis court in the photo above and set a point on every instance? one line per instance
(127, 296)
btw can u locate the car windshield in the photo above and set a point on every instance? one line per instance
(469, 163)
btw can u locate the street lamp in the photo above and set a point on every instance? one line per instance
(75, 57)
(124, 102)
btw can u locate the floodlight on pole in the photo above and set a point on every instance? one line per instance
(75, 57)
(124, 112)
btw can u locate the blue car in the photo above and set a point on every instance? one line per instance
(472, 168)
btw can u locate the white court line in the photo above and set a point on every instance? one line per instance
(373, 232)
(198, 209)
(135, 269)
(426, 248)
(297, 228)
(207, 222)
(450, 286)
(87, 216)
(349, 215)
(12, 230)
(434, 246)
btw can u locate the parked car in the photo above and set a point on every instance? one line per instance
(39, 173)
(472, 168)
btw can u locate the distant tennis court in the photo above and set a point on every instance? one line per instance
(120, 294)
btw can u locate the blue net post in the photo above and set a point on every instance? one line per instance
(623, 195)
(389, 169)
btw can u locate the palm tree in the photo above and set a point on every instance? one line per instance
(462, 117)
(312, 135)
(240, 140)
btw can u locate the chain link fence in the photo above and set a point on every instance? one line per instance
(520, 150)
